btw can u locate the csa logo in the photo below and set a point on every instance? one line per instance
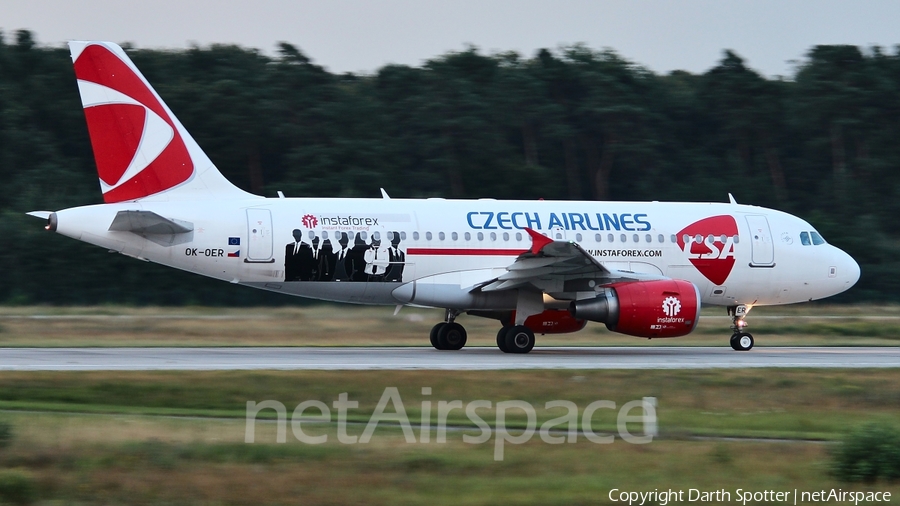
(671, 306)
(309, 221)
(709, 245)
(137, 146)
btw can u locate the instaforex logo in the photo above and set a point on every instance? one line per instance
(339, 222)
(671, 306)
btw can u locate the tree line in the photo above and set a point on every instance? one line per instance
(568, 123)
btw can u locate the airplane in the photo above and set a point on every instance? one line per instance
(642, 268)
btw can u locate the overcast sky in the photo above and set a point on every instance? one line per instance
(361, 36)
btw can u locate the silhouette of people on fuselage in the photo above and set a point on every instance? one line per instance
(293, 257)
(361, 262)
(396, 257)
(357, 255)
(343, 267)
(376, 261)
(326, 261)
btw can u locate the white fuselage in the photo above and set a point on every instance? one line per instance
(735, 254)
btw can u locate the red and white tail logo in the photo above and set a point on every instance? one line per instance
(137, 145)
(141, 148)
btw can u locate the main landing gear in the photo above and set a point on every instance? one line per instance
(515, 339)
(448, 335)
(740, 340)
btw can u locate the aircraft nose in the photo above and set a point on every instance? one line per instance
(847, 269)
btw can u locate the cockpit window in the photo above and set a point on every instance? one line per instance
(804, 238)
(816, 238)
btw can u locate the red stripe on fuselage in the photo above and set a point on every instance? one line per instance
(465, 252)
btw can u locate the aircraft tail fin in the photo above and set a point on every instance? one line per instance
(142, 151)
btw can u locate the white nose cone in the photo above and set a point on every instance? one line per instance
(847, 271)
(852, 269)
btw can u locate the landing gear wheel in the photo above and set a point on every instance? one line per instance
(451, 336)
(742, 341)
(501, 338)
(434, 335)
(519, 339)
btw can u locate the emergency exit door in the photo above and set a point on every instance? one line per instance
(259, 236)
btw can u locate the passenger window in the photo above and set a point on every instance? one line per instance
(736, 239)
(816, 238)
(441, 236)
(324, 235)
(674, 239)
(468, 236)
(362, 235)
(493, 236)
(505, 236)
(661, 238)
(376, 236)
(558, 235)
(518, 236)
(804, 238)
(428, 235)
(597, 237)
(578, 237)
(403, 236)
(624, 238)
(480, 236)
(415, 236)
(710, 239)
(610, 238)
(454, 236)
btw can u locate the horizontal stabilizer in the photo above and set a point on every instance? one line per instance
(146, 222)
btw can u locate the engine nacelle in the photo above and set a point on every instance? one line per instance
(663, 308)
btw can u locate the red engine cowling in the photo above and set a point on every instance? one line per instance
(664, 308)
(552, 321)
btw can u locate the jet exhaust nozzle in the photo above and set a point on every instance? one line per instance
(604, 308)
(52, 222)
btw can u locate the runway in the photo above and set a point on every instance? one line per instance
(410, 358)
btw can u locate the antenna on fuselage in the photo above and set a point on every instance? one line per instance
(731, 199)
(384, 194)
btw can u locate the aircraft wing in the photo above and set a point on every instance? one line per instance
(558, 266)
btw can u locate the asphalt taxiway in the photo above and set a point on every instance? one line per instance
(405, 358)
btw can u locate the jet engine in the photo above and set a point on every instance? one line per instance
(662, 308)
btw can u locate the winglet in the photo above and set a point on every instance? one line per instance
(538, 241)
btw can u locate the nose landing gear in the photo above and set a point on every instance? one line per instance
(740, 340)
